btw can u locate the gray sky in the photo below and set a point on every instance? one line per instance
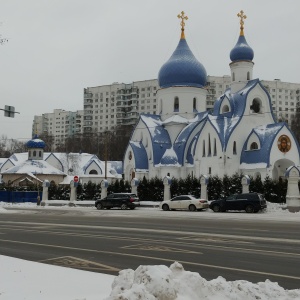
(56, 48)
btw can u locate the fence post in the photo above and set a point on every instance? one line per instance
(134, 184)
(245, 184)
(104, 186)
(167, 187)
(292, 194)
(204, 183)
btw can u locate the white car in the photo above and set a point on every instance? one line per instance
(187, 202)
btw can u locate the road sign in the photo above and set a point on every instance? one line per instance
(76, 178)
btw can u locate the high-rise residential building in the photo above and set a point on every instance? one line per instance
(60, 124)
(108, 106)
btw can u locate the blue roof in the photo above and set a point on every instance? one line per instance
(266, 135)
(241, 51)
(169, 157)
(288, 171)
(36, 143)
(182, 69)
(159, 136)
(181, 141)
(140, 155)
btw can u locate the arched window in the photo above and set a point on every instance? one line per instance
(256, 106)
(225, 109)
(93, 172)
(34, 153)
(40, 153)
(248, 75)
(161, 105)
(234, 147)
(253, 146)
(29, 153)
(194, 103)
(176, 104)
(203, 149)
(233, 76)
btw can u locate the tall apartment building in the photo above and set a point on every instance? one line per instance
(107, 106)
(60, 124)
(285, 97)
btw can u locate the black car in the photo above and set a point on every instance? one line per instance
(250, 202)
(122, 200)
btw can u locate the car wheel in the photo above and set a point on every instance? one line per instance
(216, 208)
(165, 207)
(249, 209)
(192, 207)
(123, 206)
(99, 206)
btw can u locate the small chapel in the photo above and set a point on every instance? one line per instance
(239, 135)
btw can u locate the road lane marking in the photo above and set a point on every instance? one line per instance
(159, 248)
(132, 229)
(212, 239)
(202, 245)
(78, 263)
(157, 258)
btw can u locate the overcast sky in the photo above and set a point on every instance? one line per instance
(56, 48)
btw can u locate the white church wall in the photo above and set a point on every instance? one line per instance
(264, 115)
(283, 160)
(241, 72)
(166, 99)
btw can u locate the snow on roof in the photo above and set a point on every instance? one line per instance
(266, 135)
(254, 166)
(176, 119)
(140, 155)
(33, 167)
(159, 136)
(169, 157)
(186, 132)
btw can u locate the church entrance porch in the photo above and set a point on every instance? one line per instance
(280, 167)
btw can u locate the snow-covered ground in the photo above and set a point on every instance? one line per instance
(21, 279)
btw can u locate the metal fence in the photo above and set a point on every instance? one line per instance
(19, 196)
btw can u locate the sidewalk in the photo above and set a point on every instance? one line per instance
(90, 203)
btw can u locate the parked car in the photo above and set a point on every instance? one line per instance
(187, 202)
(250, 202)
(122, 200)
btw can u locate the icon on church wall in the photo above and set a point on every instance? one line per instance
(130, 155)
(284, 143)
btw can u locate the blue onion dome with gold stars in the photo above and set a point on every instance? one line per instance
(241, 51)
(36, 143)
(182, 68)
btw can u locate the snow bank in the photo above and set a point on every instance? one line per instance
(174, 283)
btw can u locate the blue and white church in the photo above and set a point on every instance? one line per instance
(239, 135)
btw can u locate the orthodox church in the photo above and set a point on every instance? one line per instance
(239, 135)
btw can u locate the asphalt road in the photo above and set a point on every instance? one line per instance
(111, 240)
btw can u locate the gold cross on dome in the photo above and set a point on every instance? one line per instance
(182, 23)
(242, 17)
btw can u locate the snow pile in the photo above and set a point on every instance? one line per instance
(174, 283)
